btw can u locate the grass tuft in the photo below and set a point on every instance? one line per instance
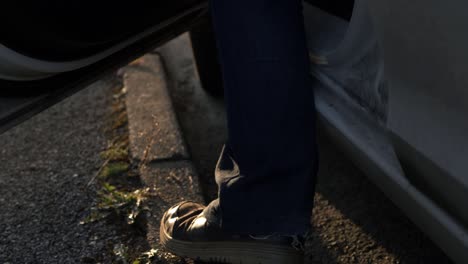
(115, 154)
(114, 169)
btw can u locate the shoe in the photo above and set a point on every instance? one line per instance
(193, 231)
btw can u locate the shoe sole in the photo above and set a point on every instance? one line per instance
(231, 252)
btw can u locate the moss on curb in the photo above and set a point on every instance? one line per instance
(119, 194)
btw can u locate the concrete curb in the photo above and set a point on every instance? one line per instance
(156, 141)
(154, 131)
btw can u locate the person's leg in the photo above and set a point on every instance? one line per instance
(271, 117)
(266, 172)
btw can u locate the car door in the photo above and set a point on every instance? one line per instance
(424, 44)
(392, 91)
(51, 49)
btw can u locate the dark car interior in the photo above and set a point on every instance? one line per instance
(67, 30)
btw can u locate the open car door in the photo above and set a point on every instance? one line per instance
(52, 49)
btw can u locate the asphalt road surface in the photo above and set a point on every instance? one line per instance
(46, 163)
(353, 221)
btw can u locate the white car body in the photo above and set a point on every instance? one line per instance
(394, 93)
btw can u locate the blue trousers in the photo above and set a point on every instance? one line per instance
(266, 172)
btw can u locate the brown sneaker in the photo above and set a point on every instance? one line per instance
(191, 230)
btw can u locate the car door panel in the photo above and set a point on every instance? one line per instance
(393, 95)
(426, 65)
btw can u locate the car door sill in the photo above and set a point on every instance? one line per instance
(369, 147)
